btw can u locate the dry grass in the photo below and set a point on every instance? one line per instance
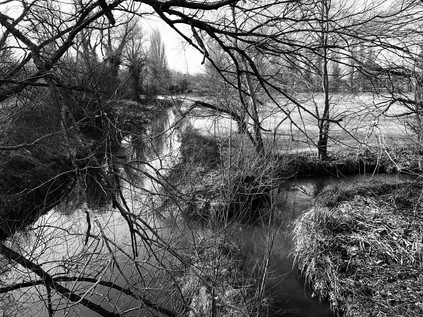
(365, 254)
(223, 179)
(216, 284)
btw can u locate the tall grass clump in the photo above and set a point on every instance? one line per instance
(216, 284)
(364, 253)
(251, 181)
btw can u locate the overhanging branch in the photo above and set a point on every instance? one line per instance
(49, 281)
(112, 285)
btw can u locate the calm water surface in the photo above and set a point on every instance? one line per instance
(59, 243)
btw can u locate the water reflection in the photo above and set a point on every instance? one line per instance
(91, 251)
(60, 244)
(66, 245)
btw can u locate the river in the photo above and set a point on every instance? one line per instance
(97, 244)
(292, 297)
(59, 243)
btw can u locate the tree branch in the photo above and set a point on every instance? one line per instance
(24, 145)
(49, 281)
(119, 288)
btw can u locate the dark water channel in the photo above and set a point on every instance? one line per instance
(290, 296)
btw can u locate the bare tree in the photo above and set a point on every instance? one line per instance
(68, 135)
(158, 67)
(135, 56)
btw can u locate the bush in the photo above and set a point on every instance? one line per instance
(224, 179)
(199, 151)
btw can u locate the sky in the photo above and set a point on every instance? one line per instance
(181, 56)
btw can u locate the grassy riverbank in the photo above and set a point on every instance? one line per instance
(214, 188)
(362, 249)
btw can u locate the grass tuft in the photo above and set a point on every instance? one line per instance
(364, 254)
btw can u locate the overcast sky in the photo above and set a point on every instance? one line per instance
(181, 56)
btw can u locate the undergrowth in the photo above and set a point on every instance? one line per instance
(224, 179)
(216, 284)
(219, 184)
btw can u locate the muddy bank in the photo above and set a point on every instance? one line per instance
(361, 249)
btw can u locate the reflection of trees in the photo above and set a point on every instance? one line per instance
(64, 72)
(79, 272)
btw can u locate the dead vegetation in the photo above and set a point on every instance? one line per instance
(222, 179)
(364, 253)
(216, 284)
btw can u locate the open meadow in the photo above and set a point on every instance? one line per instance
(358, 122)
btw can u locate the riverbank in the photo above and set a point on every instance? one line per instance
(221, 182)
(361, 249)
(342, 162)
(225, 178)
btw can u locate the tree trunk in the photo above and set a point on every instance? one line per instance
(322, 144)
(256, 119)
(418, 110)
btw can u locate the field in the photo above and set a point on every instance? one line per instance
(358, 121)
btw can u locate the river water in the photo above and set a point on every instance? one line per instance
(59, 243)
(291, 295)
